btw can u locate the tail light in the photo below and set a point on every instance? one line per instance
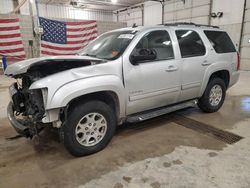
(238, 61)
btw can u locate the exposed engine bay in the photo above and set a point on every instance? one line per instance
(27, 102)
(28, 105)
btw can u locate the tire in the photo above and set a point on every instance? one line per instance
(91, 117)
(210, 104)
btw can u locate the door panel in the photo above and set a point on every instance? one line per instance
(192, 77)
(149, 85)
(195, 60)
(155, 83)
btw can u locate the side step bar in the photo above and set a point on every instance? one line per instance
(160, 111)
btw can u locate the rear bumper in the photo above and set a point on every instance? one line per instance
(234, 78)
(18, 125)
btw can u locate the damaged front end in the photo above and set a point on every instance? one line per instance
(26, 109)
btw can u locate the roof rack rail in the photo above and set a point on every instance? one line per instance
(188, 23)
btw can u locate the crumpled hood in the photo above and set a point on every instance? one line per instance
(22, 66)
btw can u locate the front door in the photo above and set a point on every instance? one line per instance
(156, 83)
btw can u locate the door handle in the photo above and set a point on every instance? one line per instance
(206, 63)
(171, 68)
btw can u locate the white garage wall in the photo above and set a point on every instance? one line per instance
(175, 11)
(232, 17)
(6, 6)
(131, 16)
(152, 13)
(232, 11)
(196, 11)
(27, 32)
(59, 11)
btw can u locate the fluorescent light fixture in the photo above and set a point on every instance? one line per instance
(114, 1)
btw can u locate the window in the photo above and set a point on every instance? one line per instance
(159, 41)
(190, 43)
(109, 46)
(220, 41)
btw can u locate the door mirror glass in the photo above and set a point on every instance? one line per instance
(143, 55)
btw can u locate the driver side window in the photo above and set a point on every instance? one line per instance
(158, 41)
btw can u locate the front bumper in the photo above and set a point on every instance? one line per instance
(18, 125)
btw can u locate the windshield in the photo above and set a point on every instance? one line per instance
(109, 46)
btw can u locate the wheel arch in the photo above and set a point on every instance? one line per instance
(108, 97)
(224, 74)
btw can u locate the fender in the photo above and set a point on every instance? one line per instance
(58, 97)
(218, 66)
(81, 87)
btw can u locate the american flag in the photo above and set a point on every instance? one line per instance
(65, 38)
(11, 44)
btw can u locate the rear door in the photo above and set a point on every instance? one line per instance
(195, 58)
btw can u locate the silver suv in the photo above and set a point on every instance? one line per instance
(126, 75)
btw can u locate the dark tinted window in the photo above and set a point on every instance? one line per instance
(220, 41)
(159, 41)
(190, 43)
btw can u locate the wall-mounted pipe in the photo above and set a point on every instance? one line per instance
(210, 12)
(242, 24)
(142, 14)
(162, 11)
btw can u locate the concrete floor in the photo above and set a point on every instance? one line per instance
(156, 153)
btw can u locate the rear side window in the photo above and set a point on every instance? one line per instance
(190, 43)
(220, 41)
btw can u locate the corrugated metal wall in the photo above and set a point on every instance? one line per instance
(6, 6)
(56, 11)
(59, 11)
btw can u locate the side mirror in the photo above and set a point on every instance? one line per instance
(143, 55)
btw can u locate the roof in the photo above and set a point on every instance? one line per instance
(180, 25)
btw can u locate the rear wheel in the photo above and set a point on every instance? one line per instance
(89, 128)
(214, 96)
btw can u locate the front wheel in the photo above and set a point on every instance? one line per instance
(89, 128)
(214, 96)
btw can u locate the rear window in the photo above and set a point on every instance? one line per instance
(220, 41)
(190, 43)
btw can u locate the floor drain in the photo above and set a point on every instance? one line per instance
(218, 134)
